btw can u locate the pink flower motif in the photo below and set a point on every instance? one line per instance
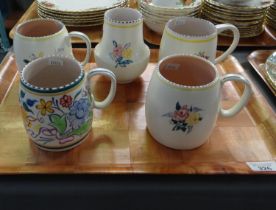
(117, 51)
(182, 114)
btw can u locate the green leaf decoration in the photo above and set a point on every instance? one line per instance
(83, 129)
(58, 122)
(77, 95)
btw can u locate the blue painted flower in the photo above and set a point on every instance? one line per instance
(79, 112)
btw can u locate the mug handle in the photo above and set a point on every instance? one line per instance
(245, 96)
(236, 33)
(112, 91)
(86, 39)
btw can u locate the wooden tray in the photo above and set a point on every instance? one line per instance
(268, 38)
(257, 58)
(120, 143)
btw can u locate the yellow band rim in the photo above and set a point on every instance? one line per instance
(189, 40)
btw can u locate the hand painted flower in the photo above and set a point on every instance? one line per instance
(202, 54)
(127, 53)
(66, 101)
(193, 119)
(184, 117)
(181, 114)
(45, 107)
(79, 113)
(121, 54)
(117, 51)
(33, 57)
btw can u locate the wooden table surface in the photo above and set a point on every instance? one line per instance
(267, 38)
(120, 143)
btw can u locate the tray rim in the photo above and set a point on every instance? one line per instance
(252, 60)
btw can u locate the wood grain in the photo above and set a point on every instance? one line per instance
(268, 38)
(257, 59)
(120, 143)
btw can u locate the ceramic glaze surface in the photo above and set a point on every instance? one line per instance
(30, 45)
(56, 121)
(58, 117)
(188, 35)
(270, 66)
(182, 116)
(122, 48)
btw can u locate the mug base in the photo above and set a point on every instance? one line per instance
(181, 147)
(61, 149)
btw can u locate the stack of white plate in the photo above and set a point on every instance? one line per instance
(247, 15)
(271, 16)
(156, 13)
(77, 13)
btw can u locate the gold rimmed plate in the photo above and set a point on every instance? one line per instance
(68, 19)
(230, 17)
(83, 6)
(244, 5)
(155, 7)
(233, 13)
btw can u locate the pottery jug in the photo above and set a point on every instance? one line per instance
(43, 37)
(57, 103)
(183, 100)
(122, 48)
(190, 35)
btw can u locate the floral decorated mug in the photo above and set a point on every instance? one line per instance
(43, 37)
(195, 36)
(56, 101)
(183, 100)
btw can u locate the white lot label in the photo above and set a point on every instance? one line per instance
(55, 62)
(262, 166)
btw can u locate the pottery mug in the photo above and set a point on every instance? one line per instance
(189, 35)
(56, 101)
(122, 48)
(183, 100)
(41, 37)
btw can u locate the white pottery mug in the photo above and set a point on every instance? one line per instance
(43, 37)
(56, 101)
(122, 48)
(189, 35)
(183, 100)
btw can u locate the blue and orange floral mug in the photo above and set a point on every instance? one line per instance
(183, 100)
(56, 101)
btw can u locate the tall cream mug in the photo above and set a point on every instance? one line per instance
(189, 35)
(42, 37)
(183, 100)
